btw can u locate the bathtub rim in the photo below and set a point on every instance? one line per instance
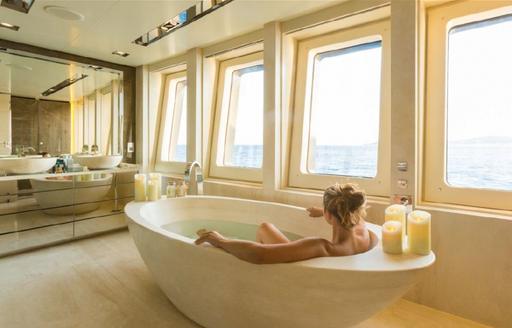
(374, 260)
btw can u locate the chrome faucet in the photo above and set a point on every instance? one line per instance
(22, 151)
(195, 184)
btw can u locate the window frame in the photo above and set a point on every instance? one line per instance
(223, 118)
(169, 80)
(307, 50)
(440, 20)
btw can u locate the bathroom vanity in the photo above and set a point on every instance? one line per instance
(41, 209)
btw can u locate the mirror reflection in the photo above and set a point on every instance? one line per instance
(50, 109)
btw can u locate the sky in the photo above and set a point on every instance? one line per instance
(345, 104)
(480, 82)
(249, 119)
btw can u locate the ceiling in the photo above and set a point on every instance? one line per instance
(29, 77)
(113, 24)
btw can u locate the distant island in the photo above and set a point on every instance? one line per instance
(484, 140)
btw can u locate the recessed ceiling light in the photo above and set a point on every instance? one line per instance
(120, 53)
(64, 13)
(9, 26)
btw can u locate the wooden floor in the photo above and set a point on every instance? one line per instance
(103, 282)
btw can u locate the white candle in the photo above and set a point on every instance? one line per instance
(157, 178)
(392, 237)
(418, 232)
(152, 190)
(140, 187)
(396, 212)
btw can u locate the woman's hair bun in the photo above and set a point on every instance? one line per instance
(343, 201)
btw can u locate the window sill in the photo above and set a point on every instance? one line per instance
(234, 183)
(465, 210)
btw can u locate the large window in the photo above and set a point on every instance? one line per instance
(340, 131)
(469, 161)
(345, 90)
(172, 146)
(238, 142)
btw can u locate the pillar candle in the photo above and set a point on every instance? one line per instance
(418, 232)
(157, 178)
(392, 237)
(153, 190)
(140, 187)
(396, 212)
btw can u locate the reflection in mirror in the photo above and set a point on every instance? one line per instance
(79, 111)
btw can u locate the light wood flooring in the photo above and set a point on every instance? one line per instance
(103, 282)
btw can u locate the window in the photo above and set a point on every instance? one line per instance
(469, 161)
(172, 147)
(341, 131)
(345, 89)
(238, 142)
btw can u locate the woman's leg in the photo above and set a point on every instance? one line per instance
(268, 234)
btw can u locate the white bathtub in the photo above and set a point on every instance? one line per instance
(216, 289)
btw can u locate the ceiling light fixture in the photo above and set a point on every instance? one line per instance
(9, 26)
(23, 6)
(184, 18)
(94, 67)
(64, 13)
(120, 53)
(64, 84)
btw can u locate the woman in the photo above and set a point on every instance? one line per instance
(344, 209)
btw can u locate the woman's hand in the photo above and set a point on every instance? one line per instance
(212, 237)
(315, 212)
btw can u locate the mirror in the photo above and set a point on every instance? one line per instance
(56, 107)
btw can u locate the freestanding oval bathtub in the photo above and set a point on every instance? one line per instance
(216, 289)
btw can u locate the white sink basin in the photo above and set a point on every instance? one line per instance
(26, 165)
(98, 162)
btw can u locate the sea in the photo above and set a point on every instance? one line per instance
(484, 163)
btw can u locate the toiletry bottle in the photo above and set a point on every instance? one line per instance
(179, 192)
(184, 188)
(171, 189)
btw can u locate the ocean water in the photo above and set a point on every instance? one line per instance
(477, 163)
(229, 229)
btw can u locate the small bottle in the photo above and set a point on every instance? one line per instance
(184, 188)
(171, 189)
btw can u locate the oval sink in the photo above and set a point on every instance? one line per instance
(98, 162)
(26, 165)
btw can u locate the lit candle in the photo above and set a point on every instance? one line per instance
(157, 178)
(392, 237)
(396, 212)
(152, 190)
(140, 187)
(418, 232)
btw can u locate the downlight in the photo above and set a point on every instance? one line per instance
(120, 53)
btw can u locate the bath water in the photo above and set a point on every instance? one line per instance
(229, 229)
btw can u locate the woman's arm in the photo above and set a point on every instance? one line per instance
(257, 253)
(315, 212)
